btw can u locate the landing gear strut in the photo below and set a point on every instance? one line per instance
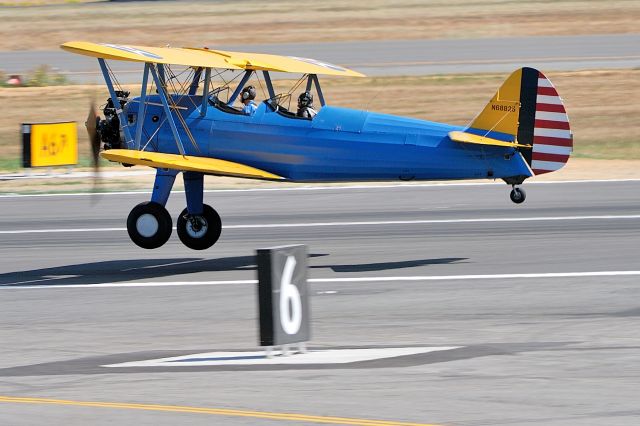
(517, 195)
(199, 232)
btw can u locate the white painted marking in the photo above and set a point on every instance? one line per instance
(552, 116)
(554, 133)
(284, 187)
(326, 356)
(543, 82)
(331, 280)
(290, 300)
(74, 175)
(389, 222)
(544, 99)
(433, 221)
(552, 149)
(546, 165)
(50, 231)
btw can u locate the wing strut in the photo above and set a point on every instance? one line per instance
(124, 124)
(267, 80)
(316, 82)
(205, 92)
(236, 92)
(162, 91)
(143, 105)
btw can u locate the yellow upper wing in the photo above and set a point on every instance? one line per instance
(465, 137)
(158, 55)
(208, 58)
(207, 165)
(280, 63)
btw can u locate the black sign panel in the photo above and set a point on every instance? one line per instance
(283, 295)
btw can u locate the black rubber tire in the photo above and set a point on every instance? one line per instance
(518, 195)
(214, 229)
(162, 220)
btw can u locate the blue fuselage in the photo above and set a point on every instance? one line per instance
(339, 144)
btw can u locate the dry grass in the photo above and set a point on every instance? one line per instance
(225, 22)
(603, 106)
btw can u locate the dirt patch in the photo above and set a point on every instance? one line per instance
(192, 23)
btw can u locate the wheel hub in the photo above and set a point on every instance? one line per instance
(147, 225)
(196, 226)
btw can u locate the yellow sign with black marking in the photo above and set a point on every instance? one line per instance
(50, 144)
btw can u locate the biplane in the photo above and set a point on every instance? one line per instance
(185, 121)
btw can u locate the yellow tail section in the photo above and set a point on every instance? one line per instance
(502, 112)
(527, 111)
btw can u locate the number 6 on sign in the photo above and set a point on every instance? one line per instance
(290, 303)
(283, 296)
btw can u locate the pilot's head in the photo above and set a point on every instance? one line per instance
(305, 100)
(248, 94)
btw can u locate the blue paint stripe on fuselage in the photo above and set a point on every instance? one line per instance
(339, 144)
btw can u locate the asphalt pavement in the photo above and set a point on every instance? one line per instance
(539, 300)
(391, 57)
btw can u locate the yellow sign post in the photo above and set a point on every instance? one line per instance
(49, 144)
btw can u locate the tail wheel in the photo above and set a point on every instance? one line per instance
(149, 225)
(199, 232)
(518, 195)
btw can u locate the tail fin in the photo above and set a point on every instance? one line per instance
(528, 110)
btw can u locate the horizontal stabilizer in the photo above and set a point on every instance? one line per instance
(465, 137)
(212, 166)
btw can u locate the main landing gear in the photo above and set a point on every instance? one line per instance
(199, 232)
(149, 225)
(199, 226)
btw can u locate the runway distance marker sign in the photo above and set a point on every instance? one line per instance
(283, 295)
(49, 144)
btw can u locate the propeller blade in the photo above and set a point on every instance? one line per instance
(94, 138)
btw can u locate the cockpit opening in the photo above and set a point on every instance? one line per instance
(240, 99)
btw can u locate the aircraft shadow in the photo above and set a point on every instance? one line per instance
(385, 266)
(144, 269)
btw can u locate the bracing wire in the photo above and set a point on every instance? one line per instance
(179, 91)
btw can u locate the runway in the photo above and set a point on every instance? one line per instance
(538, 302)
(392, 57)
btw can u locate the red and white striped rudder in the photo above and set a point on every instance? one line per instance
(552, 137)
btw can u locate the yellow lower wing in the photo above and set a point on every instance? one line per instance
(206, 165)
(465, 137)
